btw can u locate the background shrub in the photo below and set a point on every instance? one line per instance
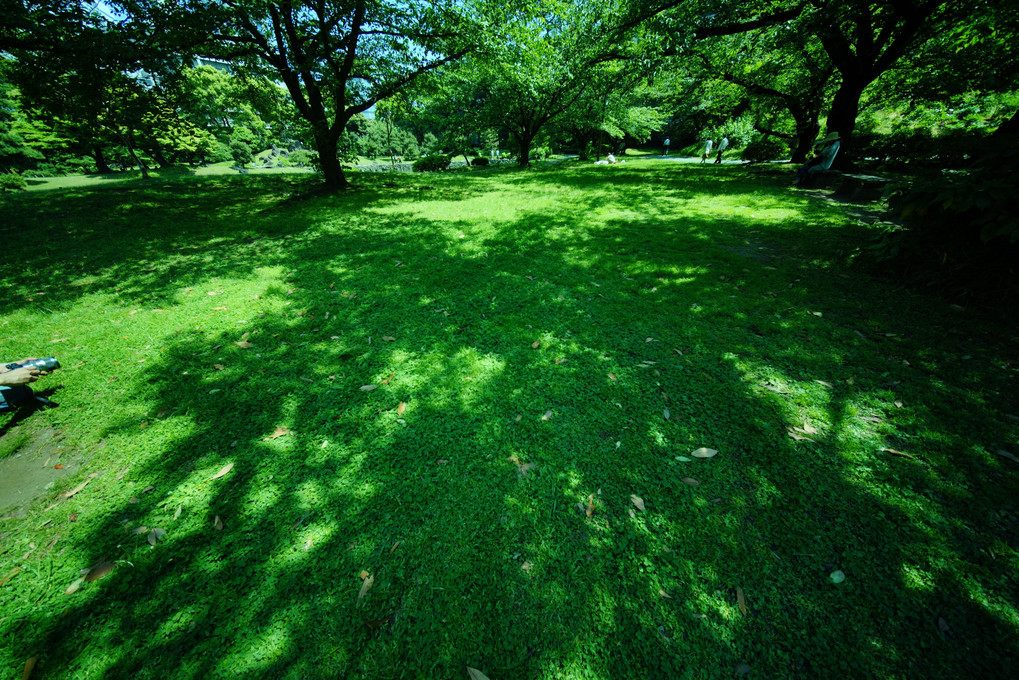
(765, 149)
(434, 163)
(959, 232)
(10, 181)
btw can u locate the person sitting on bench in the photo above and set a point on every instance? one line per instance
(822, 161)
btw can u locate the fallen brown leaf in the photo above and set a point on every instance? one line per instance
(386, 381)
(363, 575)
(536, 344)
(401, 407)
(218, 367)
(1005, 454)
(548, 414)
(223, 470)
(365, 587)
(368, 388)
(637, 501)
(73, 588)
(666, 413)
(217, 524)
(797, 436)
(741, 600)
(244, 344)
(704, 453)
(11, 574)
(475, 674)
(280, 431)
(690, 480)
(664, 594)
(590, 505)
(388, 338)
(612, 376)
(898, 453)
(395, 546)
(156, 535)
(824, 382)
(29, 667)
(81, 486)
(98, 571)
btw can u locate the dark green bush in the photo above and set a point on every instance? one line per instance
(434, 163)
(301, 158)
(765, 149)
(959, 231)
(10, 181)
(480, 160)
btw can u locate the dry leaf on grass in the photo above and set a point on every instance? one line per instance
(388, 338)
(548, 414)
(536, 344)
(395, 546)
(365, 587)
(73, 588)
(244, 344)
(368, 388)
(280, 431)
(797, 436)
(364, 574)
(637, 501)
(590, 505)
(690, 480)
(29, 667)
(664, 594)
(223, 470)
(11, 574)
(99, 570)
(217, 524)
(741, 600)
(898, 453)
(704, 453)
(401, 407)
(666, 413)
(612, 376)
(156, 535)
(1005, 454)
(475, 674)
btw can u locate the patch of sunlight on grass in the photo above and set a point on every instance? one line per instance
(260, 649)
(915, 578)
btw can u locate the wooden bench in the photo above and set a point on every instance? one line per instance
(861, 188)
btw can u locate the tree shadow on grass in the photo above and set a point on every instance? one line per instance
(478, 560)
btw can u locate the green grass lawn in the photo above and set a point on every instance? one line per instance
(448, 421)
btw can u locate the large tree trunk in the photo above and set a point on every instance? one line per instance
(326, 144)
(524, 157)
(102, 167)
(806, 132)
(129, 142)
(844, 109)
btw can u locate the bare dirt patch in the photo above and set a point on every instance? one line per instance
(35, 461)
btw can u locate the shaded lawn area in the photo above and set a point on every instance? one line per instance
(447, 393)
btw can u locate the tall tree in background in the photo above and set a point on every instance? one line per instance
(336, 58)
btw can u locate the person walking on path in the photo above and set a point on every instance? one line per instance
(707, 151)
(722, 146)
(667, 140)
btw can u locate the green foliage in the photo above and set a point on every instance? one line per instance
(765, 149)
(301, 158)
(433, 163)
(11, 181)
(540, 153)
(960, 230)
